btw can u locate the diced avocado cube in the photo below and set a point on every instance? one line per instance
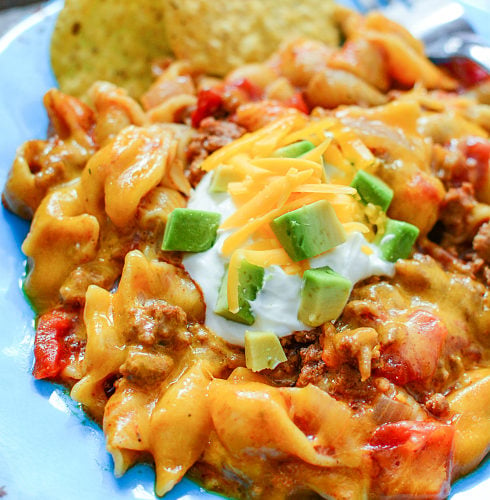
(309, 230)
(190, 230)
(251, 280)
(263, 350)
(222, 176)
(294, 150)
(397, 240)
(323, 296)
(372, 189)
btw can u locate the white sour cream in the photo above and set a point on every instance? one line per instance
(276, 305)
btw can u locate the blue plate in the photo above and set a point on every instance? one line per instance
(49, 450)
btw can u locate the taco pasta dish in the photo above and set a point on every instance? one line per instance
(275, 281)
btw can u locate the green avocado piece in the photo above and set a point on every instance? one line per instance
(323, 296)
(251, 280)
(222, 176)
(397, 240)
(372, 189)
(309, 230)
(189, 230)
(294, 150)
(263, 351)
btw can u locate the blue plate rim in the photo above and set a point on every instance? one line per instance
(60, 409)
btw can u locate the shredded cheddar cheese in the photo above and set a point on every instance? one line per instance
(325, 188)
(367, 250)
(333, 156)
(314, 131)
(264, 186)
(262, 142)
(316, 154)
(356, 226)
(283, 165)
(354, 150)
(273, 196)
(233, 281)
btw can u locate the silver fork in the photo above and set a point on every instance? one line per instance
(440, 24)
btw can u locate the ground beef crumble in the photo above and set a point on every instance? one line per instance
(212, 135)
(481, 242)
(313, 369)
(456, 209)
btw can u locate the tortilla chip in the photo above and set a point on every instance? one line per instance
(219, 35)
(110, 40)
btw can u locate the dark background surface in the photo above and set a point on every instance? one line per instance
(5, 4)
(14, 11)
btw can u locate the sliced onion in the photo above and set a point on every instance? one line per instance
(386, 410)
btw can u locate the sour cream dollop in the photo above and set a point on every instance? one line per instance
(276, 305)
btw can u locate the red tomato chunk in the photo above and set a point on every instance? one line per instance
(51, 351)
(297, 101)
(209, 101)
(414, 356)
(413, 458)
(466, 71)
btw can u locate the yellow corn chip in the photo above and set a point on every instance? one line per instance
(110, 40)
(219, 35)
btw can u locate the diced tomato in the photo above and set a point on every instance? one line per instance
(223, 99)
(473, 165)
(239, 92)
(477, 153)
(50, 349)
(209, 101)
(478, 149)
(414, 355)
(297, 101)
(412, 458)
(393, 367)
(466, 71)
(254, 92)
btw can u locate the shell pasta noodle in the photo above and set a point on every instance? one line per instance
(318, 325)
